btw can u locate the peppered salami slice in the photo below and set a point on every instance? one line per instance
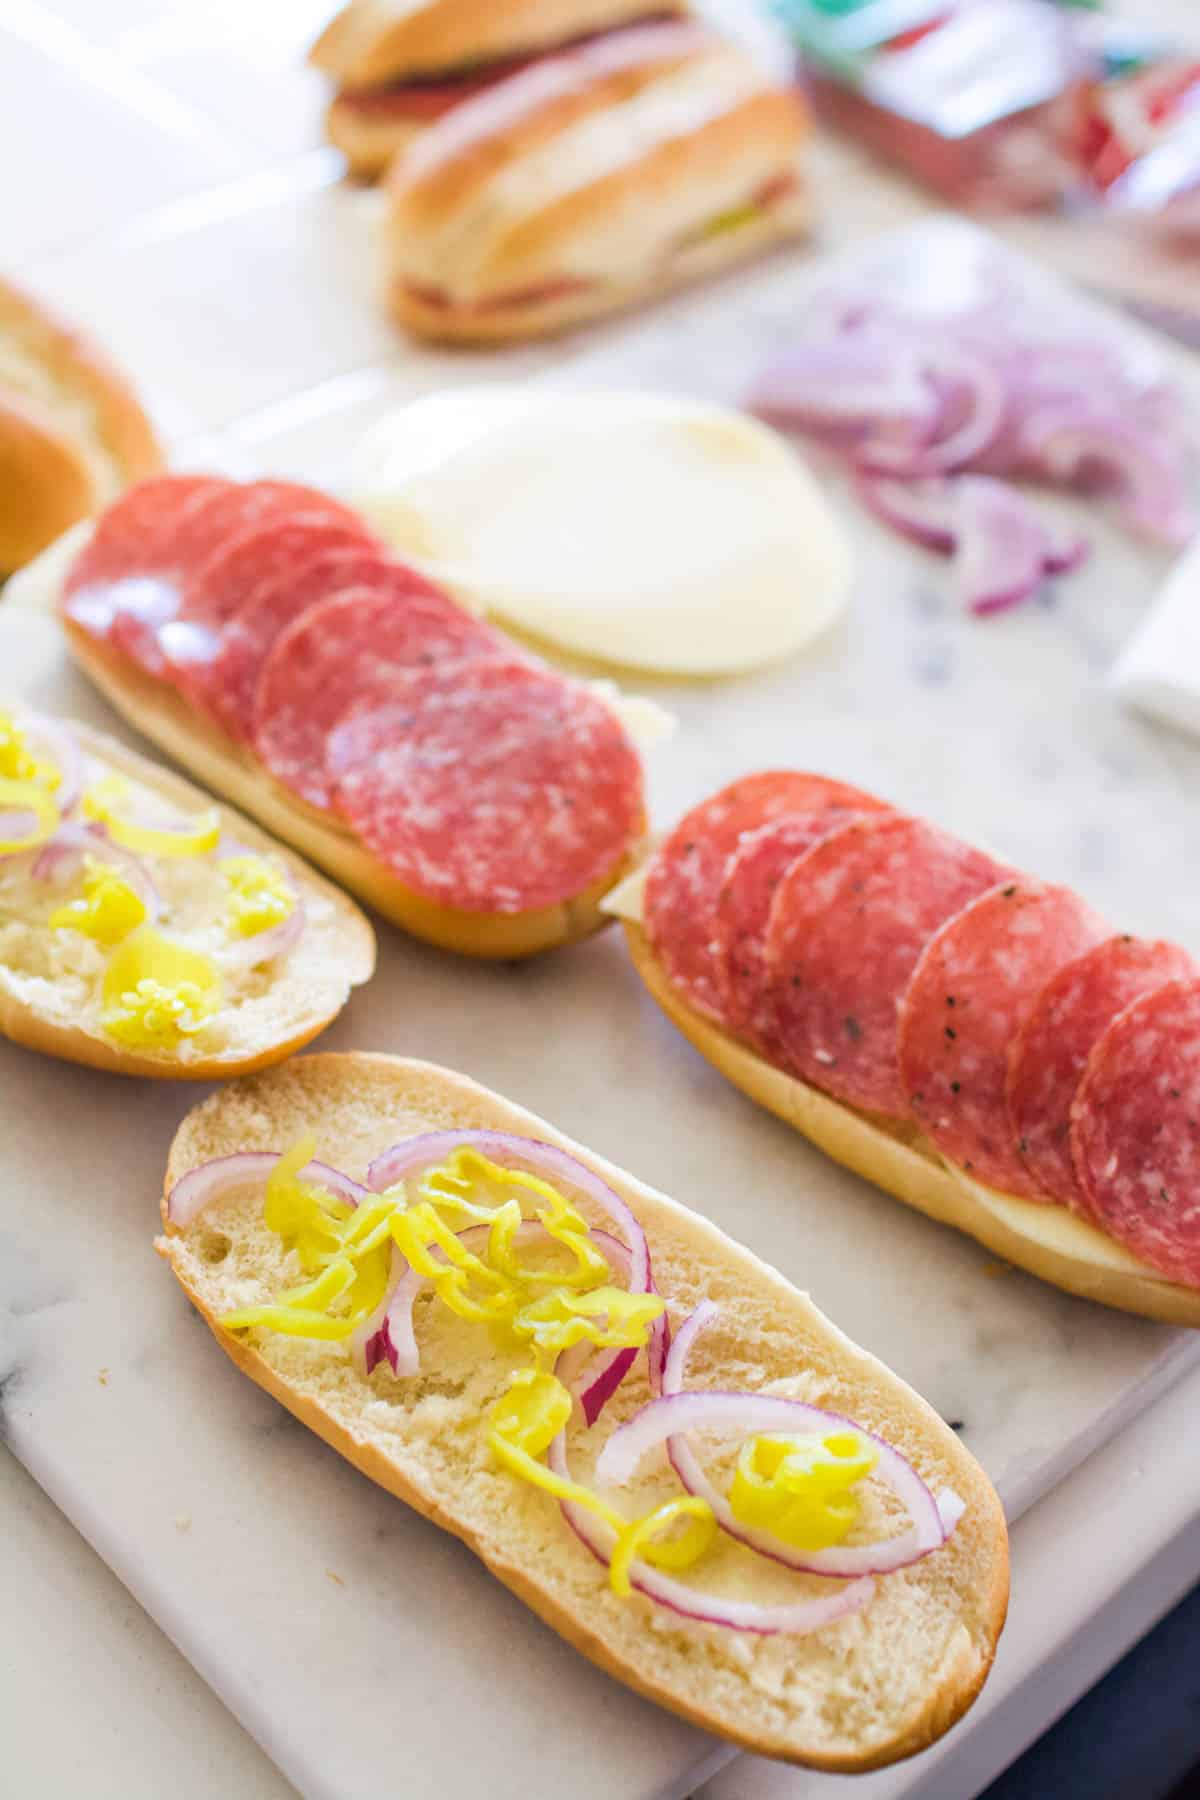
(341, 652)
(848, 924)
(752, 874)
(225, 686)
(491, 786)
(1135, 1131)
(1048, 1059)
(125, 564)
(686, 876)
(971, 993)
(226, 581)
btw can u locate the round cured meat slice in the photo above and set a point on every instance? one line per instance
(687, 874)
(345, 651)
(226, 686)
(752, 874)
(490, 786)
(226, 581)
(1135, 1131)
(969, 997)
(121, 566)
(848, 924)
(1069, 1017)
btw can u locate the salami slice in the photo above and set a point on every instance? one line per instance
(686, 876)
(1135, 1131)
(969, 997)
(490, 786)
(130, 547)
(348, 650)
(1070, 1016)
(752, 874)
(848, 924)
(225, 686)
(223, 584)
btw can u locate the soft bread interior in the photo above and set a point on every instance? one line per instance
(1048, 1241)
(50, 981)
(864, 1692)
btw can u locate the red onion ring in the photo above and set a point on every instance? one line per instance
(64, 751)
(75, 840)
(1069, 446)
(212, 1181)
(552, 1164)
(797, 1619)
(667, 1421)
(975, 384)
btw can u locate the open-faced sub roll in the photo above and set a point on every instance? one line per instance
(982, 1044)
(146, 931)
(601, 177)
(647, 1434)
(399, 67)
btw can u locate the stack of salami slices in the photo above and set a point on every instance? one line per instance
(917, 980)
(480, 778)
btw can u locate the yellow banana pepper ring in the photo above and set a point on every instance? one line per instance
(608, 1317)
(638, 1540)
(103, 801)
(27, 797)
(107, 910)
(260, 896)
(156, 992)
(800, 1489)
(17, 761)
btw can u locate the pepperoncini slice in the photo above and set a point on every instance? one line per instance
(27, 797)
(419, 1232)
(17, 760)
(103, 802)
(800, 1488)
(608, 1317)
(156, 992)
(108, 909)
(260, 895)
(641, 1538)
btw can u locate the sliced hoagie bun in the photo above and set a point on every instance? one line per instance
(234, 771)
(855, 1694)
(1048, 1241)
(51, 980)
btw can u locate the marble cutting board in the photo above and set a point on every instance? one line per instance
(365, 1650)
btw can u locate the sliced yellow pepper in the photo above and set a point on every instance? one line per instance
(156, 992)
(28, 797)
(800, 1488)
(638, 1539)
(608, 1317)
(17, 761)
(108, 909)
(260, 895)
(103, 802)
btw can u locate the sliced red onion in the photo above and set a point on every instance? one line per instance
(211, 1181)
(669, 1419)
(276, 940)
(426, 1152)
(73, 841)
(839, 385)
(797, 1619)
(386, 1335)
(921, 510)
(973, 394)
(1005, 548)
(1122, 458)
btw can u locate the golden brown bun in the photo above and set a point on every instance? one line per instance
(335, 954)
(371, 42)
(855, 1696)
(229, 769)
(606, 167)
(369, 141)
(1066, 1251)
(72, 433)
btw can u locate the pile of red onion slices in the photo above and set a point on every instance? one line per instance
(938, 418)
(669, 1419)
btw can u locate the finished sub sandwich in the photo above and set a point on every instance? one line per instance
(982, 1044)
(647, 1434)
(609, 174)
(397, 66)
(72, 433)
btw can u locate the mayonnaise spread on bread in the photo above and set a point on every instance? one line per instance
(641, 529)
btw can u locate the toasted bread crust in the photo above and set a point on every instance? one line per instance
(24, 1024)
(374, 41)
(369, 142)
(48, 472)
(901, 1161)
(166, 718)
(969, 1650)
